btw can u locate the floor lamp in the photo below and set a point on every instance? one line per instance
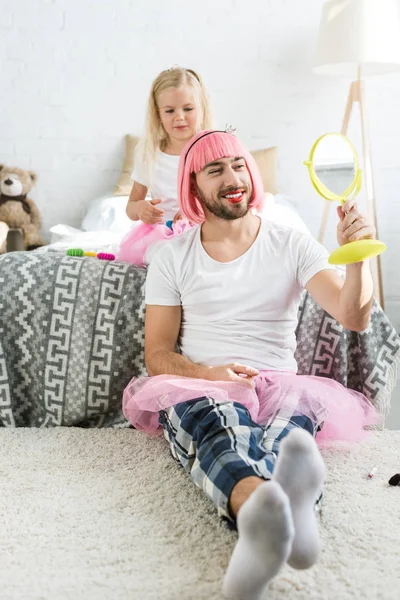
(357, 39)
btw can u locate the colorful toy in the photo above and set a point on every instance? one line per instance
(169, 224)
(99, 255)
(105, 256)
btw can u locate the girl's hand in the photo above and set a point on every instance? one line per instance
(148, 212)
(353, 225)
(178, 217)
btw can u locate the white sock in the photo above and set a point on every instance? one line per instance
(300, 470)
(266, 532)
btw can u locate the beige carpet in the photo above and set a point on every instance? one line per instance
(108, 515)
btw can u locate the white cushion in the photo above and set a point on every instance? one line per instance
(64, 237)
(107, 213)
(280, 209)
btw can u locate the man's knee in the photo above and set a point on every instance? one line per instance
(190, 424)
(205, 417)
(198, 409)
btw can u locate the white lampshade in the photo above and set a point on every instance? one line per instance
(356, 34)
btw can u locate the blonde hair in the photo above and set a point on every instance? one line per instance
(155, 136)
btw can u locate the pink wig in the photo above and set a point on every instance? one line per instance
(202, 149)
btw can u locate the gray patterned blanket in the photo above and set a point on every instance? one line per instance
(71, 337)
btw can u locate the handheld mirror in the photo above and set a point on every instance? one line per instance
(335, 174)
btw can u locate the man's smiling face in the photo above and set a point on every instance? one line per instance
(224, 188)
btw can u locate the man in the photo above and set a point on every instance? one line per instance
(228, 292)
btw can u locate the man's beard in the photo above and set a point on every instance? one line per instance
(229, 213)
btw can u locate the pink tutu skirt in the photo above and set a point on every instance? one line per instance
(136, 245)
(342, 413)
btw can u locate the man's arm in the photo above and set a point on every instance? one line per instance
(349, 302)
(162, 326)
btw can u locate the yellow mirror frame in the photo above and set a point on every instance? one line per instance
(326, 193)
(351, 252)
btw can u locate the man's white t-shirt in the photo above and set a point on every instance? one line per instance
(163, 183)
(241, 311)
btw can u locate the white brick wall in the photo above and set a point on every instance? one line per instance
(75, 77)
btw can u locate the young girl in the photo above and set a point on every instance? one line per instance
(178, 108)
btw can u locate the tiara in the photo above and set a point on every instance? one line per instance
(230, 129)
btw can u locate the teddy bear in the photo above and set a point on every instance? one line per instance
(17, 211)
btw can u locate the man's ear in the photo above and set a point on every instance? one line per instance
(193, 185)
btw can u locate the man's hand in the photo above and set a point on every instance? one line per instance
(353, 225)
(234, 372)
(148, 212)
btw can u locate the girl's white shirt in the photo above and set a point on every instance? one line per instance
(162, 184)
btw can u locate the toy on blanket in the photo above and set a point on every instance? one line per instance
(99, 255)
(19, 216)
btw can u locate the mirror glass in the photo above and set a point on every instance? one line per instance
(334, 163)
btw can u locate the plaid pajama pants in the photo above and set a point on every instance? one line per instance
(219, 444)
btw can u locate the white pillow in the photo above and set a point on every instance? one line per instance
(279, 209)
(287, 201)
(107, 213)
(64, 237)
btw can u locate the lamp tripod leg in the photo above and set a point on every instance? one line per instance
(369, 185)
